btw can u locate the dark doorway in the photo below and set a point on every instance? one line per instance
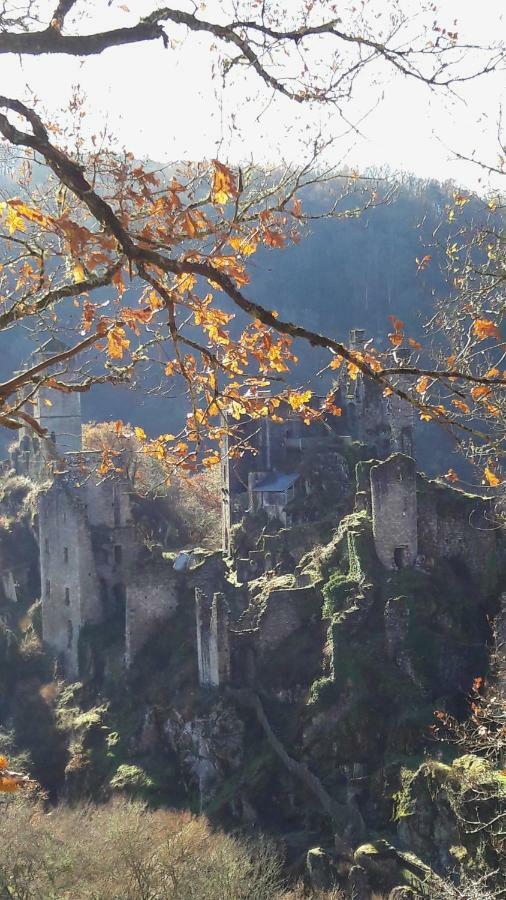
(400, 557)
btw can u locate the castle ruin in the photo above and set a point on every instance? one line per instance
(94, 567)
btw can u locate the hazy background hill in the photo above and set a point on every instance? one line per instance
(344, 273)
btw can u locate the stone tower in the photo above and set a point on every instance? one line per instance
(59, 412)
(365, 405)
(401, 413)
(394, 511)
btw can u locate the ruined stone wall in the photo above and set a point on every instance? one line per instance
(454, 525)
(285, 611)
(213, 643)
(394, 511)
(108, 503)
(115, 546)
(151, 598)
(69, 583)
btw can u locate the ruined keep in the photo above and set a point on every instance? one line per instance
(394, 511)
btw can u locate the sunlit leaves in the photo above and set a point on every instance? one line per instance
(224, 186)
(78, 272)
(485, 328)
(491, 476)
(480, 391)
(422, 384)
(461, 405)
(396, 337)
(245, 244)
(117, 342)
(273, 238)
(13, 221)
(298, 399)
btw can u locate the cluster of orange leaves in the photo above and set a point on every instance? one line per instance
(397, 337)
(10, 781)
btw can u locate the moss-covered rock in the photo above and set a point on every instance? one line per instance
(450, 814)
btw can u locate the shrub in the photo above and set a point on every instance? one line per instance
(122, 851)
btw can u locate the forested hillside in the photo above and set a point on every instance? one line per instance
(349, 271)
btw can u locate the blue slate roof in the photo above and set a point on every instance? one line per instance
(276, 481)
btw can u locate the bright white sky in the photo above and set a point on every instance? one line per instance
(166, 105)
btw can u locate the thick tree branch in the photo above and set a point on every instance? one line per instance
(7, 388)
(71, 174)
(19, 310)
(245, 36)
(35, 43)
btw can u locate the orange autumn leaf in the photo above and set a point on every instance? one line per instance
(451, 475)
(422, 384)
(299, 399)
(492, 409)
(78, 272)
(461, 405)
(273, 238)
(118, 281)
(117, 342)
(224, 186)
(480, 391)
(422, 263)
(433, 412)
(189, 225)
(296, 208)
(396, 323)
(244, 244)
(415, 344)
(88, 315)
(485, 328)
(154, 301)
(212, 460)
(336, 362)
(132, 317)
(491, 477)
(396, 338)
(28, 212)
(493, 373)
